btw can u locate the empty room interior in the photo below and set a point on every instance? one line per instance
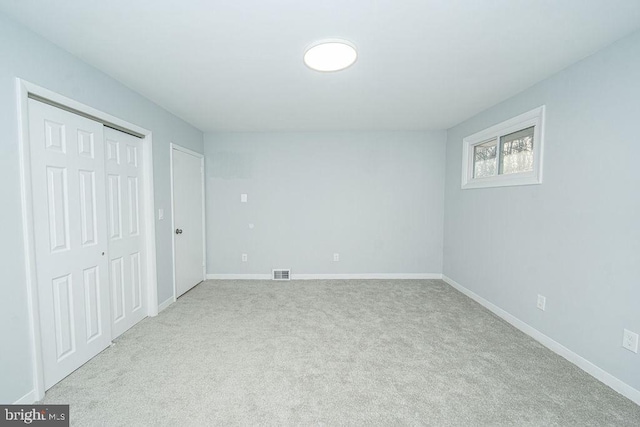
(320, 213)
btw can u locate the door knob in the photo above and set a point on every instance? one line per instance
(178, 231)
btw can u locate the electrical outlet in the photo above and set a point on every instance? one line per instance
(244, 257)
(336, 257)
(542, 302)
(630, 341)
(243, 198)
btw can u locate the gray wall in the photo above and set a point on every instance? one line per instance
(24, 54)
(376, 198)
(575, 238)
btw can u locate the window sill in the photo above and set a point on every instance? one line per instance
(502, 181)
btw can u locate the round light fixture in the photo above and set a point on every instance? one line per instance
(330, 55)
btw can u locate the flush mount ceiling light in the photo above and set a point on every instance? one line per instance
(330, 55)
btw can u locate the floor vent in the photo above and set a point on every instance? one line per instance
(281, 274)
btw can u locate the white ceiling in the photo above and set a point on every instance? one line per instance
(237, 65)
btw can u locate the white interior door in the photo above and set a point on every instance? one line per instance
(188, 219)
(69, 220)
(127, 266)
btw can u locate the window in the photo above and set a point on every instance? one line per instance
(509, 153)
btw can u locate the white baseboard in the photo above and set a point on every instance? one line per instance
(217, 276)
(365, 276)
(27, 399)
(593, 370)
(339, 276)
(166, 304)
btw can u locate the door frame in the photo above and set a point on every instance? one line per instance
(172, 147)
(23, 90)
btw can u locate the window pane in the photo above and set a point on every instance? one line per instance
(484, 159)
(516, 152)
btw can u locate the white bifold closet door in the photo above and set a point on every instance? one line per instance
(125, 230)
(70, 230)
(89, 257)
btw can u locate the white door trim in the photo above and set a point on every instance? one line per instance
(23, 89)
(172, 147)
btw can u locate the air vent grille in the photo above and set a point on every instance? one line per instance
(281, 274)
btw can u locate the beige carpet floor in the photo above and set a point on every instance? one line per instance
(374, 352)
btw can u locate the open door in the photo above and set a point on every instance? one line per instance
(187, 172)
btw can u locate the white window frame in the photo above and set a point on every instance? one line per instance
(533, 118)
